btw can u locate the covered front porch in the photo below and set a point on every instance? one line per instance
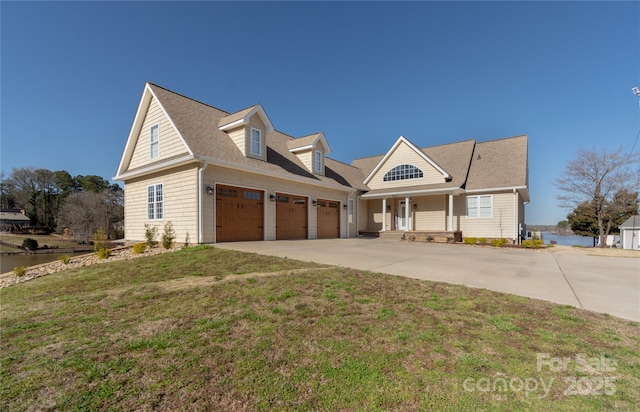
(409, 211)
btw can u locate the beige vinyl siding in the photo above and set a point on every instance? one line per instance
(180, 204)
(403, 154)
(430, 213)
(221, 175)
(256, 123)
(306, 158)
(502, 217)
(239, 138)
(362, 208)
(375, 215)
(170, 143)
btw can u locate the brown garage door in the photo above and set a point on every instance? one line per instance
(239, 214)
(291, 216)
(328, 219)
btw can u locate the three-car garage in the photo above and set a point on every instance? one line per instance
(240, 215)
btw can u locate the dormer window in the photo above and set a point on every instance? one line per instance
(154, 142)
(403, 172)
(318, 162)
(256, 142)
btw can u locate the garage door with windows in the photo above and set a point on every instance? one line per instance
(328, 219)
(239, 214)
(292, 213)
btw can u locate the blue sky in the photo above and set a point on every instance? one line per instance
(364, 73)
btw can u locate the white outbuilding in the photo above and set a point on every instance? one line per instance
(630, 233)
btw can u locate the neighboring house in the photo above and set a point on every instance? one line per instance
(219, 176)
(630, 233)
(13, 219)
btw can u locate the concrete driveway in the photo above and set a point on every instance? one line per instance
(599, 283)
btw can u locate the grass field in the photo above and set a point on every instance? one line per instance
(209, 329)
(49, 240)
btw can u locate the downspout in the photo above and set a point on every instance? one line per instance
(515, 216)
(201, 202)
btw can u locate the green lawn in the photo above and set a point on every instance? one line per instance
(208, 329)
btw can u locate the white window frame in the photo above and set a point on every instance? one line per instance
(154, 144)
(259, 142)
(475, 211)
(350, 211)
(155, 201)
(318, 161)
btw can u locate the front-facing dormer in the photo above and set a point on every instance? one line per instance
(247, 128)
(311, 151)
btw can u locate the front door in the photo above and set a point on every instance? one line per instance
(403, 223)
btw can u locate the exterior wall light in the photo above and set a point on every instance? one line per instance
(272, 198)
(209, 190)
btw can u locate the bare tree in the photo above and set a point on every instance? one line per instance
(86, 212)
(594, 177)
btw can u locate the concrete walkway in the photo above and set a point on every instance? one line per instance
(598, 283)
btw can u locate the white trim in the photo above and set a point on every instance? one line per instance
(450, 214)
(201, 205)
(478, 207)
(384, 214)
(171, 121)
(445, 190)
(259, 154)
(157, 156)
(136, 127)
(292, 178)
(318, 161)
(157, 167)
(496, 189)
(400, 140)
(155, 203)
(245, 120)
(301, 149)
(239, 122)
(515, 216)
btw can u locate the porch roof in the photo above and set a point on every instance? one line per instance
(420, 190)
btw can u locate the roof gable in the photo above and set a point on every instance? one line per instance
(403, 141)
(243, 117)
(198, 125)
(308, 143)
(148, 97)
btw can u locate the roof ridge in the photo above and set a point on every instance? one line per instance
(246, 108)
(420, 148)
(188, 98)
(504, 138)
(341, 162)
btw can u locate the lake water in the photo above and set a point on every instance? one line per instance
(8, 262)
(567, 240)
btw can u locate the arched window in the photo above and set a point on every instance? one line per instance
(403, 172)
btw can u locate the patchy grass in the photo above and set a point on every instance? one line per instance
(212, 329)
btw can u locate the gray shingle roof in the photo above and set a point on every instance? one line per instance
(499, 163)
(198, 125)
(471, 165)
(632, 223)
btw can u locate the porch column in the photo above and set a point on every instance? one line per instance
(384, 214)
(450, 214)
(406, 214)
